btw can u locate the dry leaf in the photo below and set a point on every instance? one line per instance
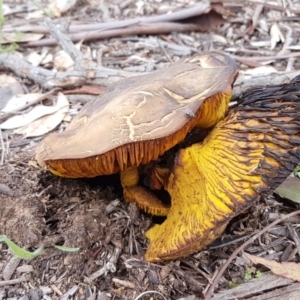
(262, 70)
(9, 87)
(35, 59)
(19, 101)
(6, 80)
(43, 125)
(37, 112)
(67, 118)
(290, 189)
(18, 37)
(48, 59)
(276, 35)
(59, 7)
(260, 43)
(220, 39)
(62, 61)
(87, 89)
(285, 269)
(38, 14)
(207, 21)
(6, 10)
(65, 5)
(263, 24)
(48, 122)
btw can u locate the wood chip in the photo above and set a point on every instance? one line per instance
(25, 269)
(71, 292)
(124, 283)
(267, 282)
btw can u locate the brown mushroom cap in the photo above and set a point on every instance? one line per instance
(139, 118)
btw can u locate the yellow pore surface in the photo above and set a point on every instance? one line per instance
(211, 181)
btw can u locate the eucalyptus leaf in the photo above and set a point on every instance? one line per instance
(66, 249)
(290, 189)
(18, 251)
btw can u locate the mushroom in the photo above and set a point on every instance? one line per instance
(138, 119)
(245, 157)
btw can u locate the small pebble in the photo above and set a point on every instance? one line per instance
(46, 290)
(25, 269)
(6, 190)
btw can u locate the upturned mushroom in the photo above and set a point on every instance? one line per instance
(245, 157)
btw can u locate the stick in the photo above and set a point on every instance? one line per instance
(49, 79)
(63, 40)
(12, 281)
(185, 13)
(141, 28)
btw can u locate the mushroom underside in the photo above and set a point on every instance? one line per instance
(245, 157)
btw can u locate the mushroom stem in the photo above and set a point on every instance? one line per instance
(129, 177)
(143, 197)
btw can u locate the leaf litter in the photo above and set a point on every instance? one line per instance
(38, 209)
(40, 119)
(285, 269)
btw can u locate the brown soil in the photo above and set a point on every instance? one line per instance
(39, 209)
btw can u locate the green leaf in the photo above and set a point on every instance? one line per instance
(296, 170)
(290, 189)
(258, 274)
(233, 285)
(66, 249)
(18, 251)
(248, 276)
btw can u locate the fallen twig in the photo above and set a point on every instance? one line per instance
(141, 28)
(12, 281)
(51, 79)
(257, 12)
(264, 58)
(185, 13)
(179, 21)
(268, 5)
(66, 44)
(110, 266)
